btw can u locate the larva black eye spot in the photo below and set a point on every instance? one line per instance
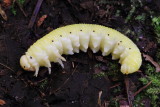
(80, 30)
(52, 40)
(108, 34)
(60, 35)
(70, 32)
(120, 41)
(24, 66)
(129, 48)
(93, 30)
(30, 57)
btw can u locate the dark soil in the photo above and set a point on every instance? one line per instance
(78, 84)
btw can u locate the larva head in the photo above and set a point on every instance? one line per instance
(25, 64)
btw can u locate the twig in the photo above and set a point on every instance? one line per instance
(21, 9)
(3, 14)
(64, 82)
(142, 89)
(34, 15)
(7, 67)
(114, 86)
(127, 89)
(150, 59)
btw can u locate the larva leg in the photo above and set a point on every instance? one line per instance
(58, 45)
(84, 41)
(60, 62)
(107, 46)
(75, 42)
(47, 64)
(124, 69)
(67, 46)
(53, 53)
(36, 72)
(49, 70)
(123, 55)
(51, 50)
(118, 50)
(40, 56)
(95, 42)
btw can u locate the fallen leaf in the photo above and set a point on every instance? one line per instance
(7, 2)
(2, 102)
(150, 59)
(41, 20)
(3, 14)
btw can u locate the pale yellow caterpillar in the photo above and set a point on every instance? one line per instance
(72, 38)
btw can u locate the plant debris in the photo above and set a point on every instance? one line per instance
(41, 20)
(2, 102)
(34, 15)
(150, 59)
(3, 14)
(142, 88)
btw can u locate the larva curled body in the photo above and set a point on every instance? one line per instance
(72, 38)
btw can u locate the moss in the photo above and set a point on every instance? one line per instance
(13, 10)
(141, 17)
(156, 24)
(153, 90)
(43, 84)
(21, 2)
(101, 74)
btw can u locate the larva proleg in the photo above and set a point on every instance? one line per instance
(73, 38)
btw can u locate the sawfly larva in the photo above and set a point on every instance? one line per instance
(72, 38)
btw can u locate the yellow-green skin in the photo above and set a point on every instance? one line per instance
(72, 38)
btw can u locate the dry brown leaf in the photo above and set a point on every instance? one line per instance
(3, 14)
(2, 102)
(41, 20)
(7, 2)
(150, 59)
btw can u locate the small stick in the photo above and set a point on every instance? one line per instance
(34, 15)
(24, 13)
(7, 67)
(150, 59)
(3, 14)
(128, 93)
(114, 86)
(64, 82)
(142, 89)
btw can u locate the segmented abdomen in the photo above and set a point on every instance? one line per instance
(72, 38)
